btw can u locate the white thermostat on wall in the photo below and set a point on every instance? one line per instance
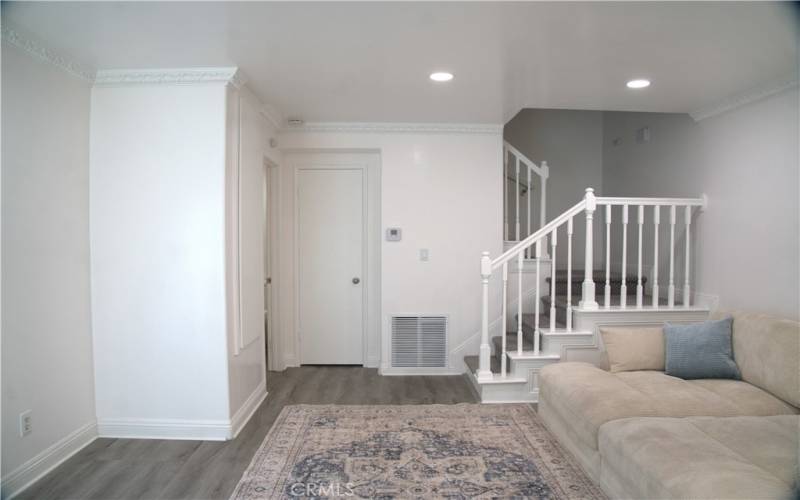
(394, 234)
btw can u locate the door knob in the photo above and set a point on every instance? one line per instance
(356, 281)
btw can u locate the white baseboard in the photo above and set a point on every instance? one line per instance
(34, 469)
(372, 362)
(290, 362)
(147, 428)
(251, 404)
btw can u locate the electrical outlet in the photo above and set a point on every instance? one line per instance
(25, 423)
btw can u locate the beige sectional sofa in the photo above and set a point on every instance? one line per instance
(644, 434)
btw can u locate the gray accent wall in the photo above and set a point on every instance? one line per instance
(746, 160)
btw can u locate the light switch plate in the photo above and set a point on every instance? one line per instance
(423, 254)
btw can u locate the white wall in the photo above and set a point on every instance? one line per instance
(746, 160)
(158, 257)
(46, 330)
(444, 190)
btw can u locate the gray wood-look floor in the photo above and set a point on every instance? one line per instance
(161, 469)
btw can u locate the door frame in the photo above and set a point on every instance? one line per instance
(368, 161)
(271, 261)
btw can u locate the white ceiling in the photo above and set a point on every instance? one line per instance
(369, 62)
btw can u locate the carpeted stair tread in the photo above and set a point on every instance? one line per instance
(473, 362)
(511, 343)
(599, 278)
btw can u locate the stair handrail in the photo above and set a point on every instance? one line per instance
(538, 235)
(531, 169)
(588, 300)
(540, 171)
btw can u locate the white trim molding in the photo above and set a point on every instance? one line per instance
(248, 408)
(174, 76)
(148, 428)
(273, 116)
(391, 127)
(752, 95)
(35, 468)
(39, 51)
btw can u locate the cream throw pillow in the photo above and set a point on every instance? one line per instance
(634, 348)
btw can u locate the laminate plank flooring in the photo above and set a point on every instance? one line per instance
(198, 470)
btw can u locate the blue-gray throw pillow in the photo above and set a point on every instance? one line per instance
(700, 350)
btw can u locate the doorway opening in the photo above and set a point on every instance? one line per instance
(270, 233)
(337, 247)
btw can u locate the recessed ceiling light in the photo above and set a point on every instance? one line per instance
(441, 76)
(638, 84)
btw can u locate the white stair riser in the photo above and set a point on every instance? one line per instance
(570, 346)
(582, 344)
(522, 368)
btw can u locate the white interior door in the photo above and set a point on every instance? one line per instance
(330, 232)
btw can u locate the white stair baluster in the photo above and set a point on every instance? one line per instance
(588, 297)
(671, 287)
(623, 291)
(656, 222)
(553, 243)
(503, 369)
(686, 289)
(639, 288)
(520, 263)
(484, 361)
(607, 294)
(537, 298)
(516, 193)
(569, 274)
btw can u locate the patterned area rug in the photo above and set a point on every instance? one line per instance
(426, 451)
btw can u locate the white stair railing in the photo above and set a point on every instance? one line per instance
(524, 175)
(532, 245)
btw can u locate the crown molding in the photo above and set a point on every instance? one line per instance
(273, 116)
(738, 100)
(39, 51)
(389, 127)
(180, 76)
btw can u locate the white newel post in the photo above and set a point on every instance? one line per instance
(484, 366)
(639, 287)
(505, 193)
(607, 289)
(569, 274)
(656, 222)
(543, 199)
(671, 287)
(686, 288)
(553, 243)
(516, 210)
(588, 297)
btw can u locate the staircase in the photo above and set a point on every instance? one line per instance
(530, 329)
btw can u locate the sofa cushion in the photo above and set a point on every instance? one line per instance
(587, 397)
(634, 348)
(700, 350)
(699, 457)
(767, 351)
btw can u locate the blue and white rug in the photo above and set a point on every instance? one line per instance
(424, 451)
